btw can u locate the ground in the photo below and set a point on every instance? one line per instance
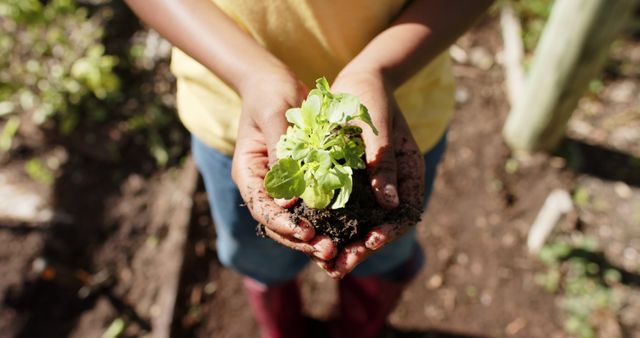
(99, 250)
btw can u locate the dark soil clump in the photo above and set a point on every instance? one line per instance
(361, 213)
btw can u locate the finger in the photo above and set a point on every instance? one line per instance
(349, 257)
(382, 235)
(273, 124)
(381, 161)
(382, 171)
(273, 127)
(267, 212)
(328, 267)
(324, 247)
(286, 203)
(321, 248)
(291, 243)
(411, 165)
(248, 171)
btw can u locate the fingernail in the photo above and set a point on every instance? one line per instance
(300, 229)
(297, 232)
(373, 242)
(391, 194)
(303, 222)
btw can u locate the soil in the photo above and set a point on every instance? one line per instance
(360, 214)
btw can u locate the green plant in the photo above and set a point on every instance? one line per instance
(577, 270)
(320, 150)
(52, 60)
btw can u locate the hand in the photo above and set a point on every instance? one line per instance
(266, 97)
(394, 163)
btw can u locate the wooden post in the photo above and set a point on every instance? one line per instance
(571, 52)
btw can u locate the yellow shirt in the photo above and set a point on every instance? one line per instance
(314, 38)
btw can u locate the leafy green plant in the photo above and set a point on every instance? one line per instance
(577, 271)
(320, 150)
(52, 60)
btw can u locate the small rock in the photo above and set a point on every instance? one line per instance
(622, 91)
(486, 299)
(210, 288)
(515, 326)
(462, 95)
(481, 58)
(623, 190)
(458, 54)
(435, 282)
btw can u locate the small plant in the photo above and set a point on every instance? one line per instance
(52, 60)
(320, 151)
(578, 271)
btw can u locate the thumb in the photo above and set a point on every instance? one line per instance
(273, 128)
(275, 124)
(382, 172)
(381, 166)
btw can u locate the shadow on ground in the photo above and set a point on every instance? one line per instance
(599, 161)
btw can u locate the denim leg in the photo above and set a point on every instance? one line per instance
(385, 261)
(238, 247)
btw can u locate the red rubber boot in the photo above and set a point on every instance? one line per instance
(277, 308)
(365, 303)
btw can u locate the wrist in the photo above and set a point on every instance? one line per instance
(258, 73)
(370, 71)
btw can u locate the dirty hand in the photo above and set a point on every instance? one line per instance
(394, 163)
(266, 97)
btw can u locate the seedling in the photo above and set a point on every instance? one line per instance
(320, 150)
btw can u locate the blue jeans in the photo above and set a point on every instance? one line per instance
(265, 260)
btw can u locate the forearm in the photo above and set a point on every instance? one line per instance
(203, 31)
(423, 30)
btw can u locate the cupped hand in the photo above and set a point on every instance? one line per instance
(266, 97)
(394, 163)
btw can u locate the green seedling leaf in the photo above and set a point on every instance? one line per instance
(343, 108)
(364, 116)
(344, 174)
(305, 116)
(316, 196)
(115, 330)
(323, 85)
(285, 179)
(320, 150)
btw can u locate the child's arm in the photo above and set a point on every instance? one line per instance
(267, 87)
(423, 30)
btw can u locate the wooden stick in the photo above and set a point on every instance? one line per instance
(513, 52)
(571, 52)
